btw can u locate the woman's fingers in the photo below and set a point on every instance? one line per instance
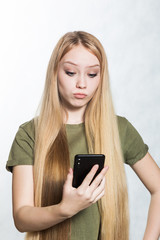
(89, 177)
(97, 181)
(99, 196)
(96, 189)
(69, 178)
(99, 192)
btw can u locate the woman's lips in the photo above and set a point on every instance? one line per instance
(79, 95)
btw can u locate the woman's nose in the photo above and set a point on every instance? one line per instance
(81, 82)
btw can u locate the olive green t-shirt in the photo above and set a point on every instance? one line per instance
(84, 225)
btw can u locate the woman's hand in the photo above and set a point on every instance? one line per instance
(77, 199)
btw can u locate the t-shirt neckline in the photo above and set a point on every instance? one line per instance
(74, 126)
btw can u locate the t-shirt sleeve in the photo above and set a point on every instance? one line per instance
(134, 147)
(22, 150)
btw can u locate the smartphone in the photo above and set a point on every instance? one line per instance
(83, 164)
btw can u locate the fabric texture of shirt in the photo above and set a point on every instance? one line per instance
(84, 225)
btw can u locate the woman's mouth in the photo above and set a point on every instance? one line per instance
(79, 95)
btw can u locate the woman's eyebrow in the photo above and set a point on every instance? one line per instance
(72, 63)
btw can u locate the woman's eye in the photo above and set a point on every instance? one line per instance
(70, 73)
(92, 75)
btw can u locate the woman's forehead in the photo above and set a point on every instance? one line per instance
(79, 55)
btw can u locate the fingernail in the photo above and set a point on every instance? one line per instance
(96, 166)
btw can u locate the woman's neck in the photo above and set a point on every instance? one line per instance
(75, 117)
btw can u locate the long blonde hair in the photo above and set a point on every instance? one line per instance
(51, 148)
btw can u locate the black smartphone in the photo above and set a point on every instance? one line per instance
(83, 164)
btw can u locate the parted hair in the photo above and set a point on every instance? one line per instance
(52, 160)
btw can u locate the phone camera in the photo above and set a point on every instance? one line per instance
(78, 162)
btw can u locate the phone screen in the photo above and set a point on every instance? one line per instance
(83, 164)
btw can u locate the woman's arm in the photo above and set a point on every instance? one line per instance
(149, 173)
(29, 218)
(26, 216)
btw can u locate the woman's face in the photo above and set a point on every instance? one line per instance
(78, 77)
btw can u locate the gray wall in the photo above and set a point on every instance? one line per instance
(130, 33)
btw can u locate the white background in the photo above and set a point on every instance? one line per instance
(130, 34)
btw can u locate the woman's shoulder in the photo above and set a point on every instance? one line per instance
(122, 122)
(28, 128)
(132, 144)
(22, 149)
(126, 129)
(28, 125)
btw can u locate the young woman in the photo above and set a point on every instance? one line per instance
(77, 117)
